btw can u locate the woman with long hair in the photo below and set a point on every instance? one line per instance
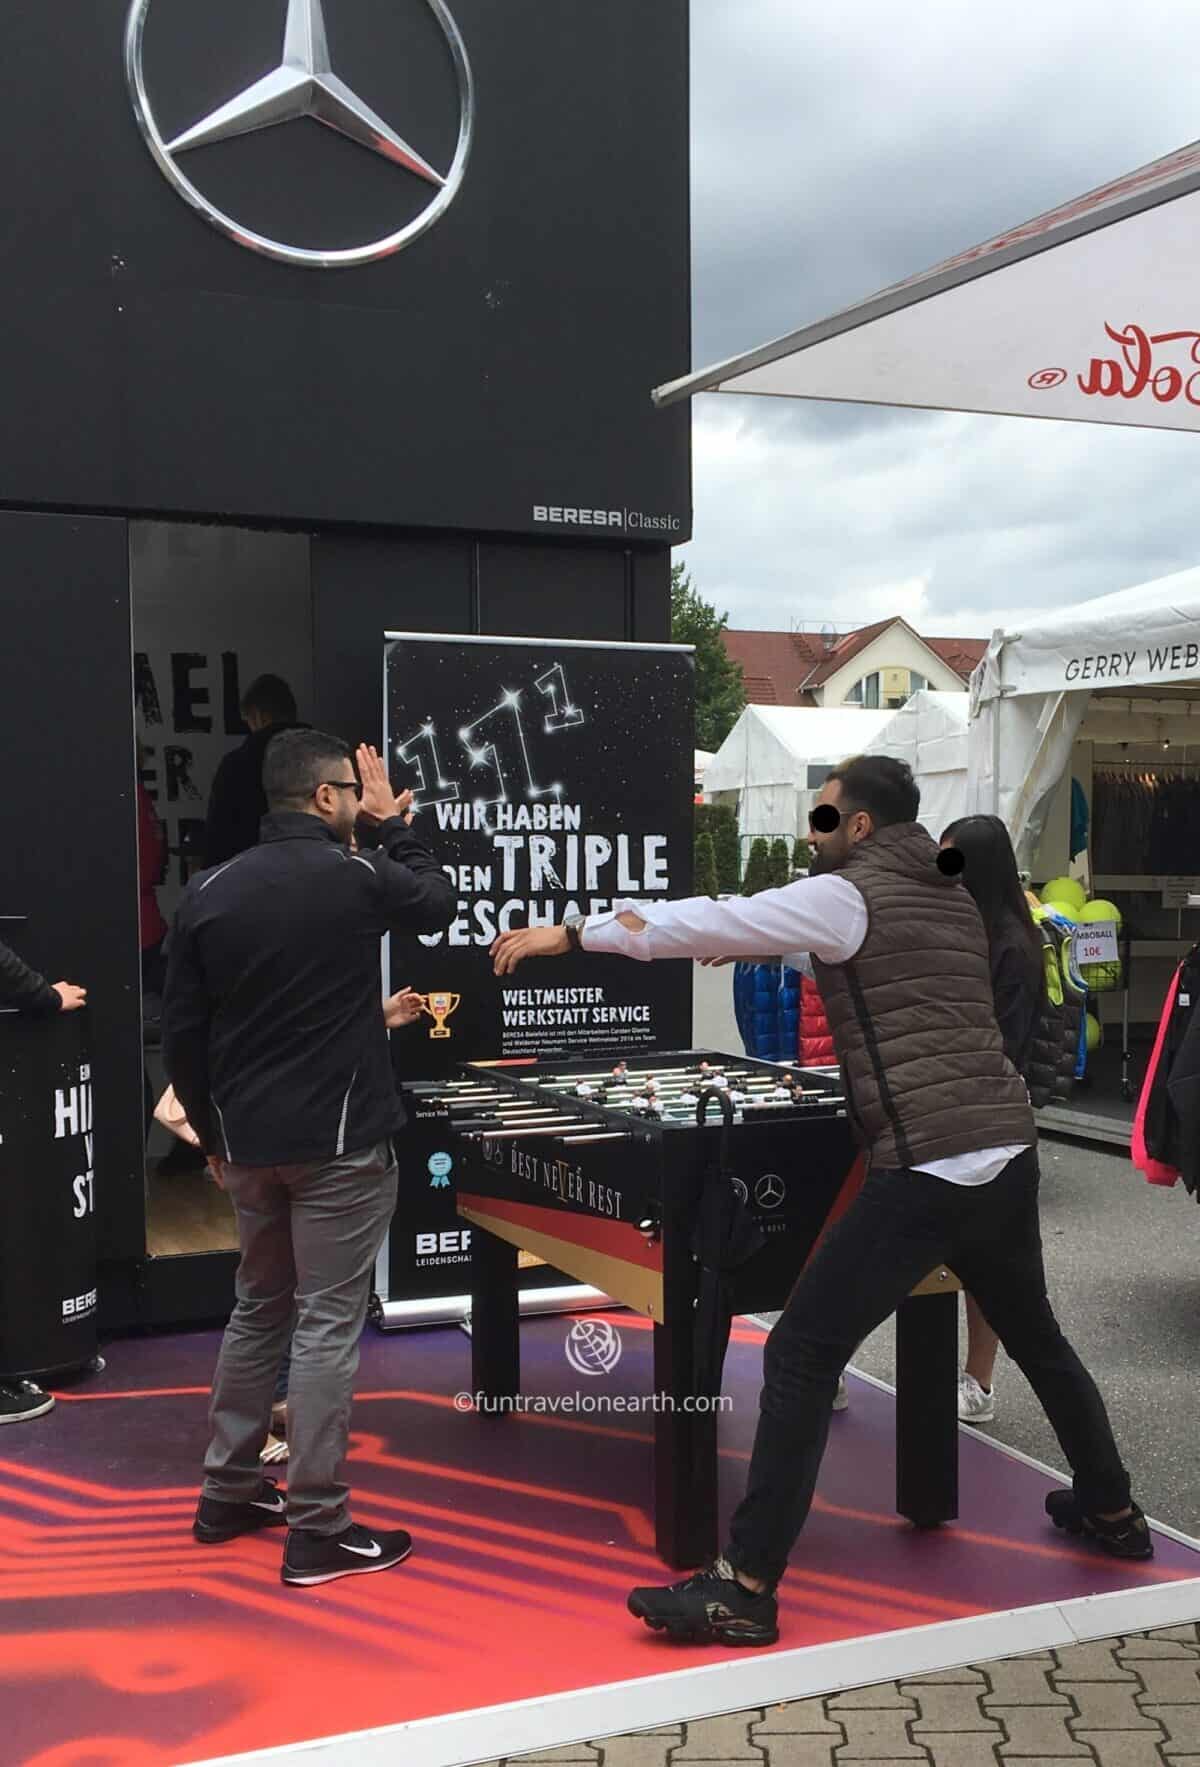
(1018, 985)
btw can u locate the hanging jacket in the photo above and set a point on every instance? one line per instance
(816, 1039)
(1162, 1127)
(766, 1006)
(1183, 1089)
(1157, 1171)
(1053, 1051)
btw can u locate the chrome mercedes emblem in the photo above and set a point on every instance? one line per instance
(304, 84)
(769, 1191)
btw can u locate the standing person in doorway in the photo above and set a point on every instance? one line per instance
(274, 1040)
(237, 802)
(23, 990)
(901, 960)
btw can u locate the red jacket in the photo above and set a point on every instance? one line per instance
(152, 851)
(816, 1040)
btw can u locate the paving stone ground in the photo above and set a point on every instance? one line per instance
(1132, 1701)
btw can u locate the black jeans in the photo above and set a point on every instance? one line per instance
(901, 1226)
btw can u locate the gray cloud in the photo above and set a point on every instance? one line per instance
(837, 150)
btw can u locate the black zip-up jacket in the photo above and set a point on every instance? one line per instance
(273, 1032)
(24, 988)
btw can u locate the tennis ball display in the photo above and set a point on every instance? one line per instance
(1101, 910)
(1094, 1034)
(1071, 915)
(1065, 890)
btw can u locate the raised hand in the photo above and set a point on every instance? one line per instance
(379, 801)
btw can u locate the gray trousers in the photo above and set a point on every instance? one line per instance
(309, 1239)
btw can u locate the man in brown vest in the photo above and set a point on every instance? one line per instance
(901, 959)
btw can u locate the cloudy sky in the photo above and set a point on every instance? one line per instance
(838, 148)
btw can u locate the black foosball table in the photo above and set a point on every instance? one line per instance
(691, 1187)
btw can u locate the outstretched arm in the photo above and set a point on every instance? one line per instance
(825, 915)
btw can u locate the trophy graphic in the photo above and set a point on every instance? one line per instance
(439, 1007)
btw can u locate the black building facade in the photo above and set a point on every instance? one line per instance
(319, 320)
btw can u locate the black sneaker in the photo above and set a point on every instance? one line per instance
(355, 1552)
(1128, 1538)
(711, 1607)
(22, 1399)
(217, 1521)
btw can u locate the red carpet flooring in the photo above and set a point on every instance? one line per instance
(124, 1644)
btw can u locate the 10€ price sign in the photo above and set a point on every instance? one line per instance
(1097, 943)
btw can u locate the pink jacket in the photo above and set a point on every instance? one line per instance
(1156, 1172)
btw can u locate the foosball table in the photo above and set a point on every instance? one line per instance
(690, 1187)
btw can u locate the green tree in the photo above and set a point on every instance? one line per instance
(725, 845)
(779, 868)
(705, 878)
(757, 875)
(720, 821)
(801, 855)
(720, 691)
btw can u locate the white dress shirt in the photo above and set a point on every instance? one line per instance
(823, 915)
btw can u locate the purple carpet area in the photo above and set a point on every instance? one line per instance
(129, 1644)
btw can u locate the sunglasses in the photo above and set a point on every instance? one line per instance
(825, 818)
(354, 785)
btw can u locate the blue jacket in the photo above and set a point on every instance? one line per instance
(766, 1003)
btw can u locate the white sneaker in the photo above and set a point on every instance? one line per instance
(841, 1398)
(976, 1404)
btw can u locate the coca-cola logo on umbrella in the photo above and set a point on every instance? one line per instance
(1163, 364)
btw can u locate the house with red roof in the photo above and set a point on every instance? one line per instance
(876, 667)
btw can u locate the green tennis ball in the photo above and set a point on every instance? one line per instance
(1101, 910)
(1066, 890)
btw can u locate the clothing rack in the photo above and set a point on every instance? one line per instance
(1151, 769)
(1146, 816)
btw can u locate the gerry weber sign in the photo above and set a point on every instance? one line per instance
(304, 83)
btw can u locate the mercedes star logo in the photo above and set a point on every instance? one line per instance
(769, 1191)
(304, 84)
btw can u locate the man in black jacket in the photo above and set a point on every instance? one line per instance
(273, 1037)
(25, 990)
(22, 989)
(237, 802)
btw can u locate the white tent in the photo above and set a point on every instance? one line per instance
(774, 761)
(1092, 319)
(1030, 693)
(931, 734)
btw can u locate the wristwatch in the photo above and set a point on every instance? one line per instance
(573, 927)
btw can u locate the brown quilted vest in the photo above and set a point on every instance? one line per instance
(912, 1019)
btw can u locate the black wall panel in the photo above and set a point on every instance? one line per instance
(501, 363)
(364, 586)
(554, 591)
(70, 836)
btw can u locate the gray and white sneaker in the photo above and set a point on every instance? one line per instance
(976, 1404)
(841, 1398)
(21, 1400)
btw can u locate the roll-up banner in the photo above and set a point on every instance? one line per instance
(47, 1195)
(550, 777)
